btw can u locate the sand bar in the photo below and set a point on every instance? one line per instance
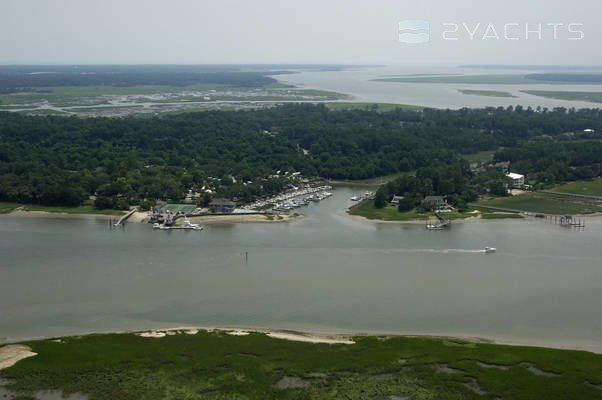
(13, 353)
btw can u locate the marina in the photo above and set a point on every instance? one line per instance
(291, 199)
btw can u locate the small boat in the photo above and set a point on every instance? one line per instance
(354, 198)
(490, 249)
(188, 225)
(434, 227)
(156, 226)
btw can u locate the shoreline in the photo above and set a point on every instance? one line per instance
(144, 216)
(245, 218)
(49, 214)
(526, 217)
(409, 221)
(311, 336)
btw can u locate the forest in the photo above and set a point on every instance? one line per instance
(54, 160)
(38, 78)
(28, 78)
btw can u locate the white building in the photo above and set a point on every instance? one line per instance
(518, 180)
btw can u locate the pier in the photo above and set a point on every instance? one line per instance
(565, 220)
(124, 217)
(443, 223)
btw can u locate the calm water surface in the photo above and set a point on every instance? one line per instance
(325, 273)
(360, 84)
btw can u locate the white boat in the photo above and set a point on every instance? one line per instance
(156, 226)
(188, 225)
(490, 249)
(434, 227)
(354, 198)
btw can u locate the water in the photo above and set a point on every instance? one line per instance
(325, 273)
(360, 85)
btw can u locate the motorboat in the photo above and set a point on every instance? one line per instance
(188, 225)
(354, 198)
(434, 227)
(490, 249)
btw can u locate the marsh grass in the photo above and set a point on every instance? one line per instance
(214, 365)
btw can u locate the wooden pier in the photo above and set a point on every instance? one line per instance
(124, 217)
(443, 223)
(566, 221)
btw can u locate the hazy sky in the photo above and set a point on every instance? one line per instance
(301, 31)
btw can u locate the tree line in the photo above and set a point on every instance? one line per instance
(56, 160)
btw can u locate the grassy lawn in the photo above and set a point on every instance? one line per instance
(595, 97)
(379, 106)
(390, 213)
(8, 207)
(589, 188)
(541, 204)
(387, 213)
(85, 209)
(488, 93)
(482, 156)
(175, 208)
(490, 215)
(215, 365)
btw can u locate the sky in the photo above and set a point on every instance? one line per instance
(301, 31)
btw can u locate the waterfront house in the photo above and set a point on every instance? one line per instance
(396, 199)
(434, 202)
(222, 205)
(518, 180)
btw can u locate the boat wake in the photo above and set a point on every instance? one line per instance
(443, 251)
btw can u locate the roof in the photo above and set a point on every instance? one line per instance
(222, 202)
(512, 175)
(428, 199)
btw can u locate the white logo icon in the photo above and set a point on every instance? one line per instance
(414, 31)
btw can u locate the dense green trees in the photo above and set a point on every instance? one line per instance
(551, 162)
(452, 180)
(62, 160)
(23, 78)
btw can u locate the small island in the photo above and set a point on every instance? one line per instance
(488, 93)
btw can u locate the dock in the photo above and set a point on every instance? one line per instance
(566, 221)
(443, 223)
(124, 217)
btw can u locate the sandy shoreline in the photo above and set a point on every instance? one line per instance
(243, 218)
(312, 337)
(460, 220)
(144, 217)
(476, 217)
(13, 353)
(47, 214)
